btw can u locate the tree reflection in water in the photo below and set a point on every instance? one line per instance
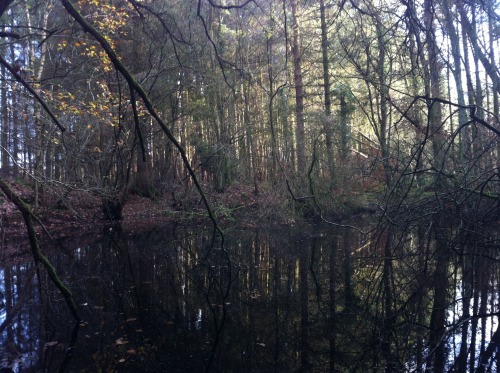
(315, 299)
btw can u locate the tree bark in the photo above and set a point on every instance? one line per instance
(489, 66)
(251, 152)
(28, 217)
(304, 310)
(440, 284)
(327, 95)
(433, 90)
(68, 5)
(457, 64)
(4, 122)
(299, 91)
(332, 290)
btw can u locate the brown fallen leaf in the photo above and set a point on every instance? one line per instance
(121, 341)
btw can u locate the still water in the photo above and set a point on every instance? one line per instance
(281, 299)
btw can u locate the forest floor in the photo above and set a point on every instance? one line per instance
(80, 213)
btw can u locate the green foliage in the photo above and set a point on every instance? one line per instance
(343, 91)
(200, 109)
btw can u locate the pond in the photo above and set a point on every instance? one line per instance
(281, 299)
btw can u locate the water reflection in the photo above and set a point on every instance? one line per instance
(318, 299)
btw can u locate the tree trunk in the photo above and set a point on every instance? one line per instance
(15, 134)
(388, 317)
(144, 178)
(304, 309)
(384, 135)
(327, 96)
(332, 289)
(249, 137)
(489, 66)
(433, 90)
(457, 65)
(270, 103)
(440, 284)
(467, 288)
(348, 274)
(4, 124)
(299, 91)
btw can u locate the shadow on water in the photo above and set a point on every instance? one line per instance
(313, 299)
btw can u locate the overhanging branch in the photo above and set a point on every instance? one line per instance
(32, 91)
(472, 111)
(134, 85)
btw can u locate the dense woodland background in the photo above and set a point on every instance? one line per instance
(311, 109)
(314, 101)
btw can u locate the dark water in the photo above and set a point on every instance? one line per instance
(288, 299)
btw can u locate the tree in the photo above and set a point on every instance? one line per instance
(327, 95)
(299, 92)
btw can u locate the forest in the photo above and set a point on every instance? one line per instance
(377, 120)
(316, 102)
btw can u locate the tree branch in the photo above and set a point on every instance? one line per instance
(33, 92)
(229, 7)
(87, 27)
(472, 114)
(4, 4)
(35, 247)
